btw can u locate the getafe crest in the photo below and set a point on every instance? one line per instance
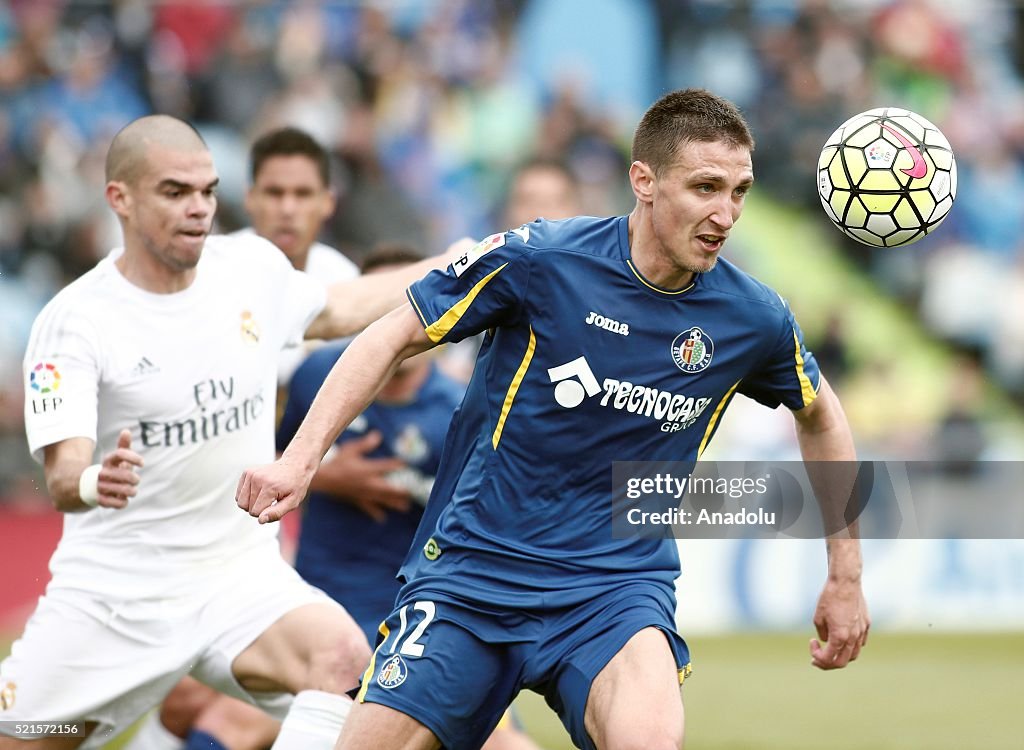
(411, 446)
(392, 673)
(692, 350)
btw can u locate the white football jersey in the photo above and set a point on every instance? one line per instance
(325, 264)
(193, 375)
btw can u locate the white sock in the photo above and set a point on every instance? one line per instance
(153, 735)
(313, 722)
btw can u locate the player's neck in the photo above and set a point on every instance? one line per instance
(141, 269)
(300, 260)
(650, 259)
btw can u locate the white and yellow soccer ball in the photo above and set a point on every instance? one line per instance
(887, 177)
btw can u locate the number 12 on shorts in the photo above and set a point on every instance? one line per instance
(410, 647)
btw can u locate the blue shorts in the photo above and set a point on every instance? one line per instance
(455, 666)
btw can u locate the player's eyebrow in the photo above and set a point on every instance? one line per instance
(178, 185)
(707, 177)
(718, 179)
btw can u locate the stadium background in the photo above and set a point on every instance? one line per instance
(427, 106)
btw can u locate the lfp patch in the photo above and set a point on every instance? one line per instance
(44, 377)
(692, 350)
(476, 252)
(392, 673)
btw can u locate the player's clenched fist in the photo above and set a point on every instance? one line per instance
(269, 492)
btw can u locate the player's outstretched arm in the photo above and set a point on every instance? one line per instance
(841, 617)
(354, 304)
(108, 484)
(269, 492)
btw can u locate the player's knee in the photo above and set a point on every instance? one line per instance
(337, 663)
(183, 704)
(645, 738)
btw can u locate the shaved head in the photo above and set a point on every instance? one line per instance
(126, 158)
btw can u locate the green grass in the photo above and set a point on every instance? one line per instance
(906, 692)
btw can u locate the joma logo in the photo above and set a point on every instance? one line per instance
(607, 324)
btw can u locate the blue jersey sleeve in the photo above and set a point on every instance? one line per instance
(789, 375)
(485, 288)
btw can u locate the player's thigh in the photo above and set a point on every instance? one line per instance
(81, 659)
(372, 726)
(443, 666)
(316, 646)
(238, 725)
(274, 632)
(586, 649)
(635, 699)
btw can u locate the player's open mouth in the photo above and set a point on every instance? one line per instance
(711, 242)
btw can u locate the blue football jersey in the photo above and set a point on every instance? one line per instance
(585, 363)
(341, 549)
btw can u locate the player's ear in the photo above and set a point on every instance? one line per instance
(329, 204)
(641, 179)
(118, 197)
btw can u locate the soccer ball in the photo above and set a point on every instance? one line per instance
(887, 177)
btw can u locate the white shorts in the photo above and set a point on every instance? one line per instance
(85, 659)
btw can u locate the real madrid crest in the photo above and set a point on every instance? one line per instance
(250, 331)
(692, 350)
(7, 693)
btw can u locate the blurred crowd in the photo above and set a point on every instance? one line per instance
(429, 105)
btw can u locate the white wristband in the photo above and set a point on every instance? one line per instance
(88, 485)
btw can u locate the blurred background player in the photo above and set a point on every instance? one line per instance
(539, 188)
(288, 202)
(181, 386)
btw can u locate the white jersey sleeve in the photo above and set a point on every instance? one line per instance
(62, 369)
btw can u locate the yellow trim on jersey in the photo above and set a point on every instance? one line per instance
(649, 285)
(714, 418)
(437, 331)
(807, 392)
(684, 673)
(513, 388)
(368, 674)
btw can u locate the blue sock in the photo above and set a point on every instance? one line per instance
(198, 740)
